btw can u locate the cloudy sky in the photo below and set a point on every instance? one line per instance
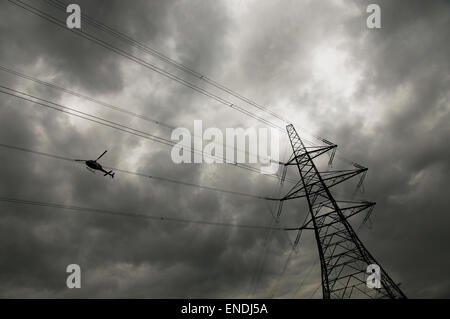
(380, 94)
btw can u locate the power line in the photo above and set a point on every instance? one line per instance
(60, 88)
(125, 129)
(110, 106)
(270, 228)
(154, 177)
(159, 70)
(120, 35)
(92, 118)
(134, 215)
(163, 57)
(117, 126)
(142, 62)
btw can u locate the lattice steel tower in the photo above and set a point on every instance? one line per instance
(343, 257)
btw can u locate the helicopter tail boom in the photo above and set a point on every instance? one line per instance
(110, 173)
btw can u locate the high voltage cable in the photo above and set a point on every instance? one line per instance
(117, 126)
(110, 106)
(83, 115)
(155, 68)
(122, 128)
(142, 62)
(135, 215)
(192, 184)
(160, 178)
(137, 44)
(120, 35)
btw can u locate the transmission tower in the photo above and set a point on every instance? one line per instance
(343, 257)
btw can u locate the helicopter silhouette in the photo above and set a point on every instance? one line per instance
(93, 165)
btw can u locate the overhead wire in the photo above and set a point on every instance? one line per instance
(133, 215)
(139, 45)
(163, 57)
(88, 98)
(115, 108)
(162, 218)
(157, 69)
(141, 62)
(120, 127)
(144, 63)
(111, 124)
(154, 177)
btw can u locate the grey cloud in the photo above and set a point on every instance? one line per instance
(395, 122)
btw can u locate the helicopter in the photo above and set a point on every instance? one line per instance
(95, 166)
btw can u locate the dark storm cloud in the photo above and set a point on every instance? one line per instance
(406, 69)
(394, 120)
(110, 250)
(71, 60)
